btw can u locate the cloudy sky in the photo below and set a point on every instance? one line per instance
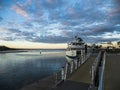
(55, 22)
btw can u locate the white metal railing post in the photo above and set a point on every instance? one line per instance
(81, 57)
(66, 70)
(62, 73)
(84, 57)
(75, 64)
(79, 62)
(71, 67)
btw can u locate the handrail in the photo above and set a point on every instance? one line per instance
(94, 66)
(101, 82)
(98, 72)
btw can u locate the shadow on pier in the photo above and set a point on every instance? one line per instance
(72, 85)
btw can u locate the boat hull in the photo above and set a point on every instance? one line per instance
(70, 59)
(71, 53)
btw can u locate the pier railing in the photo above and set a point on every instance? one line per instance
(95, 67)
(69, 68)
(102, 69)
(98, 72)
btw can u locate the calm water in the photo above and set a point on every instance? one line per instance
(19, 69)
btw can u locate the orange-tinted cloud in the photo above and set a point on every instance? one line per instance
(20, 11)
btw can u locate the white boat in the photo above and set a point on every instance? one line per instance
(75, 49)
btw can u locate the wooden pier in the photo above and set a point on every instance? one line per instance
(96, 73)
(83, 73)
(90, 76)
(81, 79)
(78, 78)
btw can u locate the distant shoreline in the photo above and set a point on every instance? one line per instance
(12, 51)
(23, 50)
(4, 49)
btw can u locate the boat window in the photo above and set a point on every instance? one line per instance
(68, 49)
(73, 43)
(73, 48)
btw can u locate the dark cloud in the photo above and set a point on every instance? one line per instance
(52, 4)
(101, 30)
(6, 3)
(1, 19)
(27, 25)
(117, 2)
(16, 34)
(51, 39)
(56, 21)
(106, 40)
(13, 30)
(8, 39)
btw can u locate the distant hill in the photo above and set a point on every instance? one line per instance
(3, 48)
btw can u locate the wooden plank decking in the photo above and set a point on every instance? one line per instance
(112, 72)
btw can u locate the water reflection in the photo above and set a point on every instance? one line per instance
(18, 69)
